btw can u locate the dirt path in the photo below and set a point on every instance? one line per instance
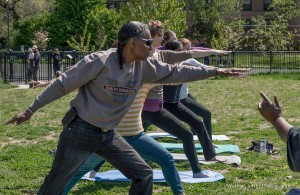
(24, 142)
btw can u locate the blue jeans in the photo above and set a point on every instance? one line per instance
(149, 149)
(78, 141)
(56, 68)
(293, 192)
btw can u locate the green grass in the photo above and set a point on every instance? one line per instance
(233, 102)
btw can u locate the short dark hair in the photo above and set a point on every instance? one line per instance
(172, 45)
(127, 31)
(167, 36)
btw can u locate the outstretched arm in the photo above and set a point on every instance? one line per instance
(272, 113)
(204, 53)
(39, 83)
(82, 73)
(235, 72)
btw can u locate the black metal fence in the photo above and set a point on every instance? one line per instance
(14, 65)
(260, 61)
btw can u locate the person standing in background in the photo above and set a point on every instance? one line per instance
(30, 62)
(34, 64)
(56, 61)
(30, 56)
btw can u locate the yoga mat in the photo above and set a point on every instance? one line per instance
(219, 149)
(214, 137)
(186, 176)
(230, 160)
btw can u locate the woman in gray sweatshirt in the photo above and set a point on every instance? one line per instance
(108, 82)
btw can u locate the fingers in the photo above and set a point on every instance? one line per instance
(18, 122)
(276, 101)
(11, 121)
(265, 98)
(240, 70)
(259, 106)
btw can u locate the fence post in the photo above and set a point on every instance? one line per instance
(233, 53)
(5, 62)
(73, 59)
(49, 66)
(271, 60)
(26, 66)
(11, 66)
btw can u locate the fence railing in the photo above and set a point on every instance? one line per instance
(14, 65)
(260, 61)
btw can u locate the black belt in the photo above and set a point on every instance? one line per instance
(94, 127)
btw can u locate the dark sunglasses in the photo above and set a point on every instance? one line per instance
(148, 42)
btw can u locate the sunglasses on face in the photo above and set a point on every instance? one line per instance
(148, 42)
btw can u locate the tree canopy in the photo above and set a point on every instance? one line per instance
(171, 13)
(90, 25)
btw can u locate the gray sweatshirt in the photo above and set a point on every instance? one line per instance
(170, 57)
(105, 91)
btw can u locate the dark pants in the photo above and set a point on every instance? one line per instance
(169, 123)
(56, 68)
(149, 149)
(199, 110)
(32, 73)
(78, 141)
(187, 116)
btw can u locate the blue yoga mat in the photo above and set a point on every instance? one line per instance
(220, 149)
(186, 176)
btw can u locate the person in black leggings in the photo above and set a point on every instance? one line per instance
(165, 120)
(173, 105)
(186, 97)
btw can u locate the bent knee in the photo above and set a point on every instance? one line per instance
(146, 173)
(167, 159)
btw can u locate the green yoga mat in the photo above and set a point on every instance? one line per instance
(221, 148)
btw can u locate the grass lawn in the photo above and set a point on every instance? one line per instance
(24, 149)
